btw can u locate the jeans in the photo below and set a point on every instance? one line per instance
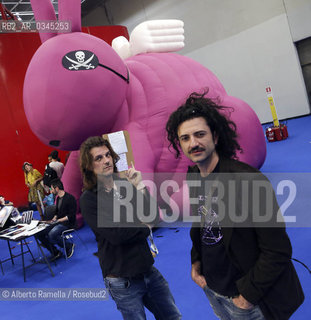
(150, 290)
(225, 309)
(51, 236)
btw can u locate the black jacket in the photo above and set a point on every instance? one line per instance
(123, 250)
(68, 208)
(262, 253)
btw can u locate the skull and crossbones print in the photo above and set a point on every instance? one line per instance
(80, 61)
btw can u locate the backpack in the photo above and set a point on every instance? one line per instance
(49, 175)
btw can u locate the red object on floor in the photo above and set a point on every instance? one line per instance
(284, 131)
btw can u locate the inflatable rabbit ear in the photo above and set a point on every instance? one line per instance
(68, 10)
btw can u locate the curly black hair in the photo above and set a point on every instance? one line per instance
(197, 105)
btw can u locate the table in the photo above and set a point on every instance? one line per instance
(22, 239)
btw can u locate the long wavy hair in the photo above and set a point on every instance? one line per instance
(197, 105)
(86, 160)
(25, 171)
(24, 166)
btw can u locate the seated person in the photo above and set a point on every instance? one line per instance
(64, 218)
(50, 207)
(49, 200)
(4, 202)
(7, 218)
(12, 216)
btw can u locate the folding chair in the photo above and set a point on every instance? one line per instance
(68, 235)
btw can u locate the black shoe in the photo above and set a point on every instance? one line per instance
(70, 251)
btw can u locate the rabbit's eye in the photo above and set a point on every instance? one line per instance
(80, 60)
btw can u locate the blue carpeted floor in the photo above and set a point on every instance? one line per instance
(83, 271)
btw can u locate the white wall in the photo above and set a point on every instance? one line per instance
(259, 56)
(247, 43)
(299, 18)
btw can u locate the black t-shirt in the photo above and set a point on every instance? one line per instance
(218, 270)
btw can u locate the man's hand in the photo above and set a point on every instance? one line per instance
(196, 274)
(242, 303)
(135, 178)
(51, 221)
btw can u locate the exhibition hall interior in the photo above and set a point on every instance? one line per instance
(127, 72)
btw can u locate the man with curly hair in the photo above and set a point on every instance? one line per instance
(243, 263)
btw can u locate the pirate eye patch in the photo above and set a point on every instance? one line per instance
(86, 60)
(80, 60)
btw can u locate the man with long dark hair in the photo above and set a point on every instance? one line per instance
(114, 208)
(239, 258)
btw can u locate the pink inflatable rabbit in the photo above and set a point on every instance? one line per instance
(77, 86)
